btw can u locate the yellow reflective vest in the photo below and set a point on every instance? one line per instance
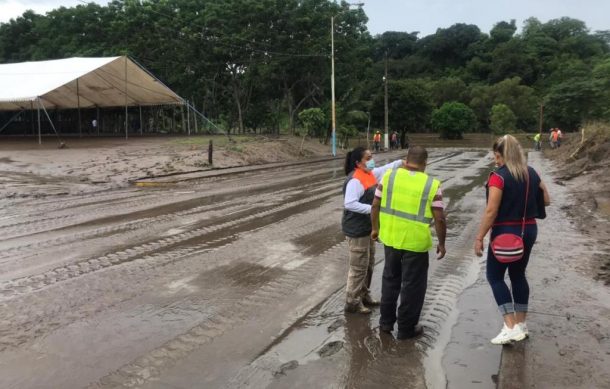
(406, 210)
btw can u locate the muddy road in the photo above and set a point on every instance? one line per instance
(234, 281)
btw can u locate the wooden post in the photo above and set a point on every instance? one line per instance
(141, 125)
(210, 151)
(98, 120)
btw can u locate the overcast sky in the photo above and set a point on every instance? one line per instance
(424, 16)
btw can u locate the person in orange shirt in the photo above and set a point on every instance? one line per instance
(553, 138)
(377, 140)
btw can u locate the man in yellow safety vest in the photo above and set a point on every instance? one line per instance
(405, 203)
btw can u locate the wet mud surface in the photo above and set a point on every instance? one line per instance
(238, 281)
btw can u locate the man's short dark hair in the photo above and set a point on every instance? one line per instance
(417, 155)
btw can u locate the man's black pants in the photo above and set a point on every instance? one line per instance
(406, 274)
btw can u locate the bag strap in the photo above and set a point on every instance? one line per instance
(527, 191)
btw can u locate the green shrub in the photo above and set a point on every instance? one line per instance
(452, 119)
(503, 120)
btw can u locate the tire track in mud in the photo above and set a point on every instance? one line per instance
(33, 247)
(59, 274)
(108, 201)
(39, 320)
(244, 308)
(39, 225)
(25, 210)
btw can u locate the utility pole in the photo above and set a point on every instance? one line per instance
(332, 86)
(385, 102)
(332, 78)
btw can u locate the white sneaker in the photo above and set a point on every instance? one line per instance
(524, 329)
(508, 335)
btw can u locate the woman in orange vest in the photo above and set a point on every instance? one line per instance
(359, 191)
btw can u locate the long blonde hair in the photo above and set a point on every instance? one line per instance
(510, 149)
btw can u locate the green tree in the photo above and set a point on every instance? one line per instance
(503, 32)
(503, 120)
(452, 120)
(409, 106)
(448, 89)
(314, 121)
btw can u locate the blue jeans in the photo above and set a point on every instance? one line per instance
(516, 272)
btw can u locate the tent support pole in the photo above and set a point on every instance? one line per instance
(80, 128)
(48, 117)
(11, 119)
(195, 111)
(98, 120)
(39, 131)
(126, 113)
(141, 125)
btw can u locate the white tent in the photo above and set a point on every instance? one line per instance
(75, 83)
(81, 83)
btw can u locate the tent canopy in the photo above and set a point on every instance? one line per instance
(81, 82)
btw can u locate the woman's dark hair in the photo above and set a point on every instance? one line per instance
(352, 158)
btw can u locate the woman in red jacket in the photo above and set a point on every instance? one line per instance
(506, 207)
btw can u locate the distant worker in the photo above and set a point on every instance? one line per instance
(559, 136)
(553, 138)
(537, 145)
(405, 203)
(94, 125)
(515, 197)
(394, 140)
(377, 140)
(358, 191)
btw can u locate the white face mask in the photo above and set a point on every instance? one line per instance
(370, 164)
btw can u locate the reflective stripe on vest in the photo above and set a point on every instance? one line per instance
(421, 214)
(406, 210)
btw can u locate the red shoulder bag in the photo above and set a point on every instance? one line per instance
(508, 248)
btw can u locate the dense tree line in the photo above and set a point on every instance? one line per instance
(256, 64)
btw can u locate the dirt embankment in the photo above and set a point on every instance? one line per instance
(583, 161)
(90, 164)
